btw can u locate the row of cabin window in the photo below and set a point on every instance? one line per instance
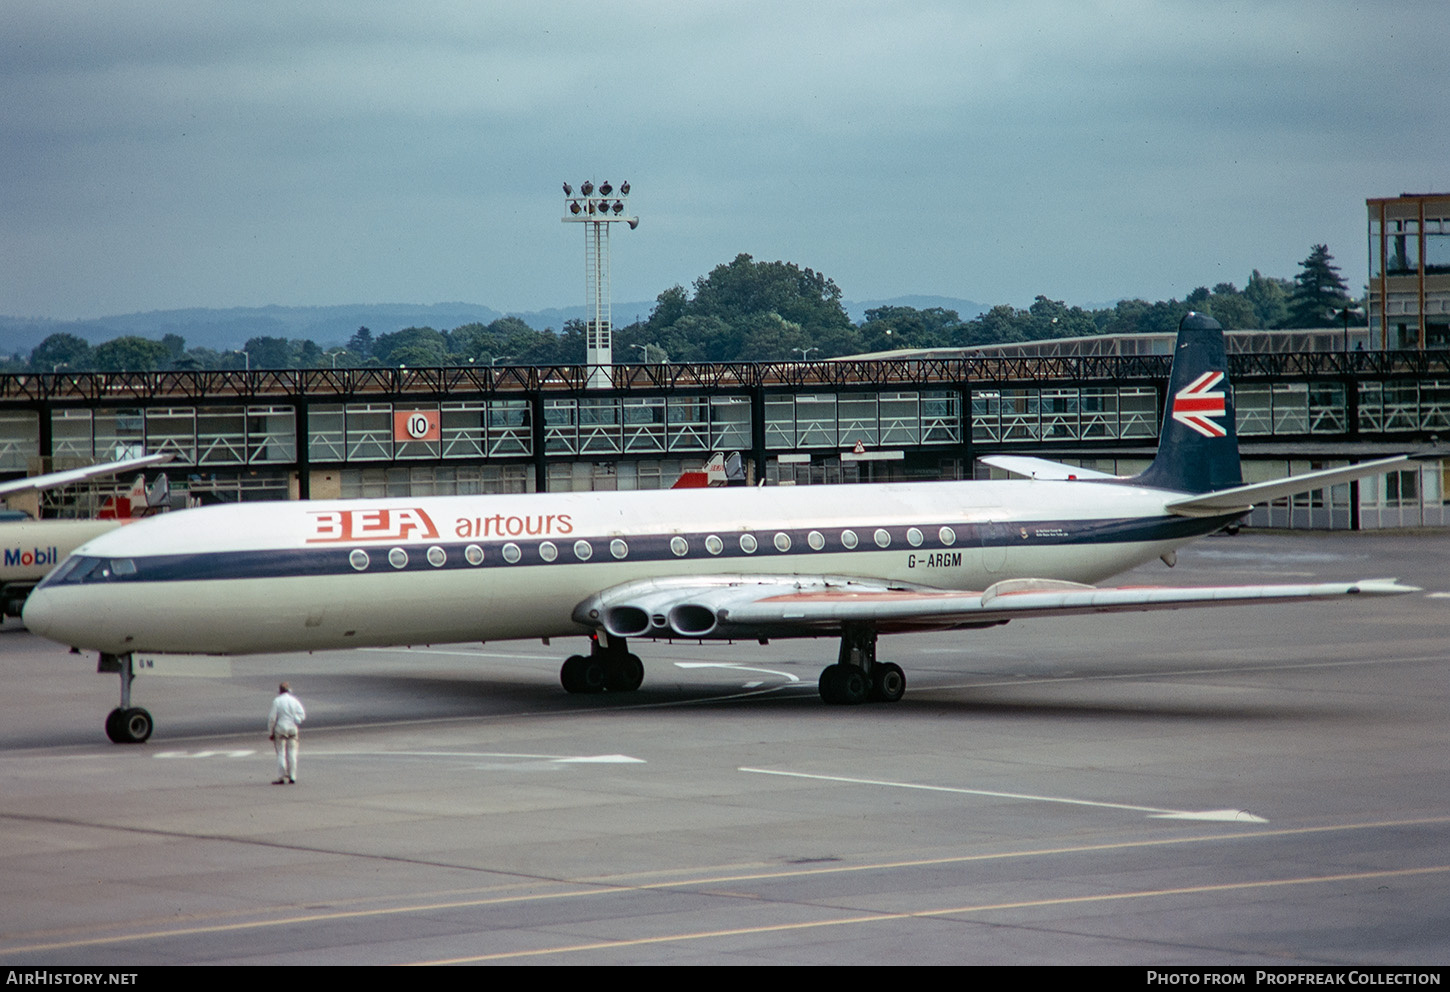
(619, 548)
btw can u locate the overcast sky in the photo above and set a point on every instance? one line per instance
(156, 154)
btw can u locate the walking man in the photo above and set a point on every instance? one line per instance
(282, 727)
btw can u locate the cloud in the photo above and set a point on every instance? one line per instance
(212, 154)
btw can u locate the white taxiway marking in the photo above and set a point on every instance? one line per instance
(1437, 595)
(466, 654)
(739, 668)
(1067, 675)
(1229, 815)
(243, 753)
(597, 759)
(602, 759)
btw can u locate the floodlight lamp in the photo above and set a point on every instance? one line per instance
(587, 188)
(591, 206)
(618, 207)
(605, 189)
(573, 206)
(624, 188)
(568, 190)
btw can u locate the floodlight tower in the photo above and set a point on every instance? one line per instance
(598, 207)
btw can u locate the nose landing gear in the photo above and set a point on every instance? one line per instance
(126, 724)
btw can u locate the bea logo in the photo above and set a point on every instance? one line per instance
(372, 525)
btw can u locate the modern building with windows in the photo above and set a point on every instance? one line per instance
(1409, 270)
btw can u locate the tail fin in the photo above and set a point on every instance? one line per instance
(1198, 449)
(720, 470)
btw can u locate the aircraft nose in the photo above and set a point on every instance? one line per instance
(40, 614)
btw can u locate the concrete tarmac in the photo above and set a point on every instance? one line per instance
(1263, 785)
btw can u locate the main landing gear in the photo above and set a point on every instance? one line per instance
(609, 667)
(126, 724)
(857, 677)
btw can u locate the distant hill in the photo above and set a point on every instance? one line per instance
(966, 309)
(227, 329)
(230, 328)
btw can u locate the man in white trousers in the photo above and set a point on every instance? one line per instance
(282, 728)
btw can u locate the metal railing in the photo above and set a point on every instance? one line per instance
(122, 387)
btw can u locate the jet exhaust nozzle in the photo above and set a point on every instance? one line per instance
(693, 620)
(645, 618)
(626, 621)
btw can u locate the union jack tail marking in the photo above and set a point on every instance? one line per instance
(1198, 403)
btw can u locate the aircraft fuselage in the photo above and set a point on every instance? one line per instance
(318, 575)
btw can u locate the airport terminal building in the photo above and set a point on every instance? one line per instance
(1409, 271)
(1304, 400)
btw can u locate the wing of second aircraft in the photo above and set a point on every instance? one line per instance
(54, 480)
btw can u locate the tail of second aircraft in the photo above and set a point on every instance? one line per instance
(1198, 446)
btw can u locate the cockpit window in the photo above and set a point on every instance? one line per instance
(77, 569)
(84, 569)
(66, 567)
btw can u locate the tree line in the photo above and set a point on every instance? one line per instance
(742, 310)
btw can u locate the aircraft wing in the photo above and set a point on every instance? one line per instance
(53, 480)
(745, 606)
(1040, 468)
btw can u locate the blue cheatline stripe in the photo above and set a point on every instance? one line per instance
(337, 559)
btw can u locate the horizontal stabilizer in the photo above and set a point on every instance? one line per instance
(1041, 468)
(1242, 498)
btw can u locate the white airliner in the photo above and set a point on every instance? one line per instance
(848, 562)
